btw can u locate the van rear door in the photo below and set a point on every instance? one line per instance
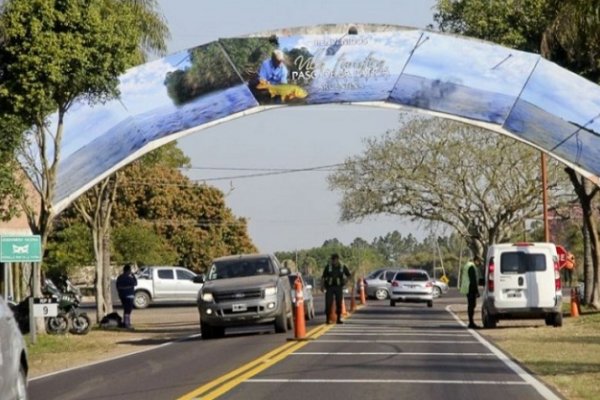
(526, 278)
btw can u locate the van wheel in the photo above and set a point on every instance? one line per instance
(281, 323)
(557, 320)
(549, 319)
(393, 303)
(430, 303)
(489, 322)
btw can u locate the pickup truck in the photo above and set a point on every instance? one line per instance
(245, 290)
(165, 284)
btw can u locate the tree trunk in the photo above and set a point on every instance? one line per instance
(107, 273)
(586, 192)
(588, 269)
(99, 282)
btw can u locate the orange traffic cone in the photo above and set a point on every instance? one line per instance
(344, 311)
(353, 298)
(332, 317)
(574, 303)
(363, 298)
(299, 323)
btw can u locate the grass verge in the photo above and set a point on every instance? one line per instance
(566, 358)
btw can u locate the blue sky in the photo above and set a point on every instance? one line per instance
(289, 211)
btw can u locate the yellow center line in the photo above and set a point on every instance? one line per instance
(230, 380)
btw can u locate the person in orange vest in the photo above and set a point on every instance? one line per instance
(568, 268)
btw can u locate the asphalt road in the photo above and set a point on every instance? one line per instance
(408, 351)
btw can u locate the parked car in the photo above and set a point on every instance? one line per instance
(164, 284)
(411, 285)
(245, 290)
(439, 288)
(13, 357)
(522, 280)
(307, 292)
(377, 283)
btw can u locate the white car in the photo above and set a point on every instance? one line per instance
(522, 280)
(412, 285)
(13, 357)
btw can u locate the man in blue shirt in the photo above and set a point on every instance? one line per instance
(126, 283)
(274, 70)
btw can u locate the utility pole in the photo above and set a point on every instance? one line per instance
(545, 196)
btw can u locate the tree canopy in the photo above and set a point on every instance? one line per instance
(481, 184)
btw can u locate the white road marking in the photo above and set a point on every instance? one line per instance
(409, 381)
(333, 333)
(388, 353)
(398, 341)
(537, 385)
(196, 335)
(405, 330)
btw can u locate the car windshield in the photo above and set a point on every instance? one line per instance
(412, 276)
(240, 268)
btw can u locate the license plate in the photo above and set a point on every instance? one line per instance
(238, 307)
(513, 295)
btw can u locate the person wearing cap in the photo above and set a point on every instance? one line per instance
(273, 69)
(334, 278)
(126, 283)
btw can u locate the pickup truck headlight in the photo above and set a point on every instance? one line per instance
(207, 297)
(271, 291)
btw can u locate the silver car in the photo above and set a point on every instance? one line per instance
(439, 288)
(377, 283)
(412, 285)
(13, 357)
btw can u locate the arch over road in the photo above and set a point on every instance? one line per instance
(506, 91)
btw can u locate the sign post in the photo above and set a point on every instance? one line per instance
(19, 249)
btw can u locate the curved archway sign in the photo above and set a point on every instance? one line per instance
(504, 90)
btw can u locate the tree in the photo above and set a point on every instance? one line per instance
(10, 188)
(53, 55)
(140, 244)
(95, 206)
(564, 31)
(481, 185)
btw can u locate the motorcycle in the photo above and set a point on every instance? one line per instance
(69, 316)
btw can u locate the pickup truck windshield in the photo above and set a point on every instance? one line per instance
(240, 268)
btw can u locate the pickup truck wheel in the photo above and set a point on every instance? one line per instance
(281, 323)
(141, 300)
(206, 330)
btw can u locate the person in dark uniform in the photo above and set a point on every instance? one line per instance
(334, 278)
(126, 283)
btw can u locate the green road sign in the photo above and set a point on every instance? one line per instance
(20, 248)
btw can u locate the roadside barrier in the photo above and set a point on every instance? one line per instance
(363, 298)
(299, 323)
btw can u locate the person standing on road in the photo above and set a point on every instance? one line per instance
(126, 283)
(334, 278)
(469, 287)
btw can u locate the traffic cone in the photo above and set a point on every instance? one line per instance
(363, 298)
(332, 317)
(574, 305)
(299, 323)
(344, 311)
(353, 298)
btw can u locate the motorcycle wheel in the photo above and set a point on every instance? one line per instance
(80, 324)
(57, 325)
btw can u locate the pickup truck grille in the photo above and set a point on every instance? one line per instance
(238, 295)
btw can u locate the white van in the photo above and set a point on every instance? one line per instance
(522, 280)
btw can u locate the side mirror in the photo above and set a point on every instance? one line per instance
(284, 271)
(199, 278)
